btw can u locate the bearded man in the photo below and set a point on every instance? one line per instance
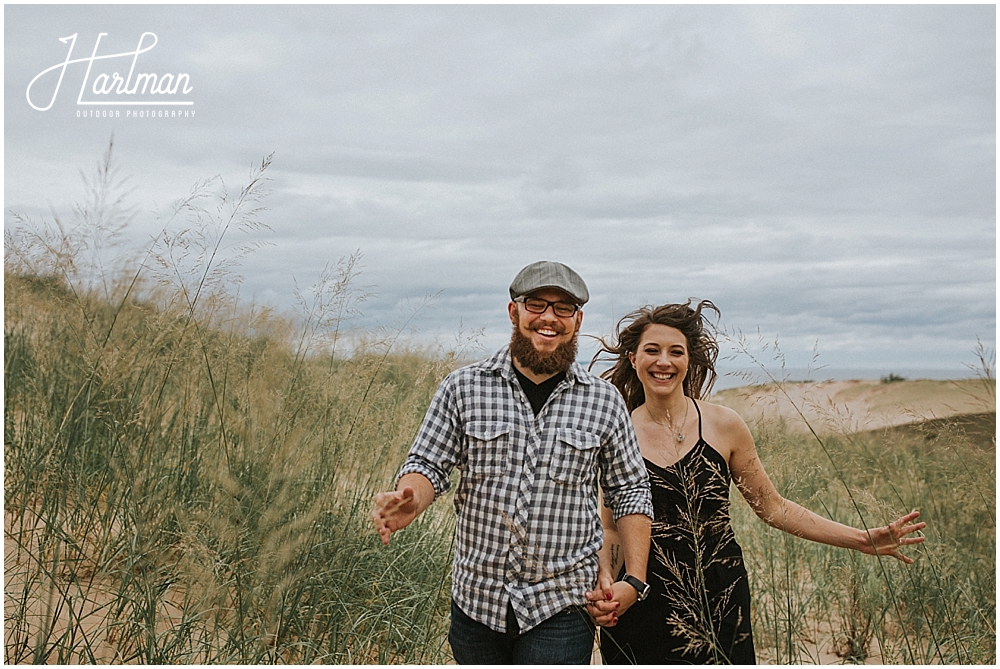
(537, 438)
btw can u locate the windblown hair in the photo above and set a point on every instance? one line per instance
(703, 349)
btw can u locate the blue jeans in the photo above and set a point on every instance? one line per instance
(565, 638)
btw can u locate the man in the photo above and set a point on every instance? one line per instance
(532, 433)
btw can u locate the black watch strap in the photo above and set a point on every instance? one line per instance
(641, 587)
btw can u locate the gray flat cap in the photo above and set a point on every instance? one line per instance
(548, 274)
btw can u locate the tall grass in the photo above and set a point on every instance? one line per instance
(818, 604)
(189, 479)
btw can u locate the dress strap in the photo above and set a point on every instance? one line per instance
(699, 418)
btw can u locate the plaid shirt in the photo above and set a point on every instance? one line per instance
(528, 527)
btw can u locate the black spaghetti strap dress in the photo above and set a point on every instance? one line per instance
(698, 608)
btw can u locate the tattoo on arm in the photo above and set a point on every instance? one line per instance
(616, 556)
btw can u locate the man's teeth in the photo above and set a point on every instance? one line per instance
(546, 331)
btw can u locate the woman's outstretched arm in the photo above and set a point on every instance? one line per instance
(780, 513)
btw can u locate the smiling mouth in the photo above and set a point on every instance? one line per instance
(662, 376)
(547, 332)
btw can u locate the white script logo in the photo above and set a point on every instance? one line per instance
(114, 85)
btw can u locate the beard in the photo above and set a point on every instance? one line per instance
(540, 363)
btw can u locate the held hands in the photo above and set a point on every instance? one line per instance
(600, 601)
(394, 511)
(609, 600)
(888, 540)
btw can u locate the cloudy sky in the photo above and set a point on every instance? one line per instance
(825, 174)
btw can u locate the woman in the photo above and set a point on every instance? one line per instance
(698, 606)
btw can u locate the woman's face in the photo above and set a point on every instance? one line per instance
(661, 360)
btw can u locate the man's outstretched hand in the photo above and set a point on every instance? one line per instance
(394, 511)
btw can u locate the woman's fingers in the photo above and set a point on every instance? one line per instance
(603, 613)
(899, 531)
(912, 528)
(900, 524)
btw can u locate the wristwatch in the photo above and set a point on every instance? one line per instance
(642, 588)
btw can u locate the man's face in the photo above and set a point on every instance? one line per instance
(550, 336)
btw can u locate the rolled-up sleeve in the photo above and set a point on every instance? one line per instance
(625, 481)
(437, 447)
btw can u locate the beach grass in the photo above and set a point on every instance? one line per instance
(818, 605)
(188, 478)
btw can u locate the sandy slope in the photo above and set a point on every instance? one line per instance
(839, 406)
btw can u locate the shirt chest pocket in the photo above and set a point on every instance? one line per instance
(488, 445)
(574, 456)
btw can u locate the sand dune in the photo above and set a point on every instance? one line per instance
(852, 406)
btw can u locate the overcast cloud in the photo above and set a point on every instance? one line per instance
(822, 173)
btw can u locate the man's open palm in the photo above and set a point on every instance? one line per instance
(394, 511)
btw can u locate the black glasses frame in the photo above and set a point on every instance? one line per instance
(524, 300)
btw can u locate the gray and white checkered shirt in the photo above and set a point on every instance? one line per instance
(528, 527)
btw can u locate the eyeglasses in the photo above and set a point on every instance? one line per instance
(537, 305)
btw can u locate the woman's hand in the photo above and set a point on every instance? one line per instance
(600, 601)
(604, 606)
(889, 539)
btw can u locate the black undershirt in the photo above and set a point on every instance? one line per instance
(538, 393)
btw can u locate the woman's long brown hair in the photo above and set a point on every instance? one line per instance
(703, 349)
